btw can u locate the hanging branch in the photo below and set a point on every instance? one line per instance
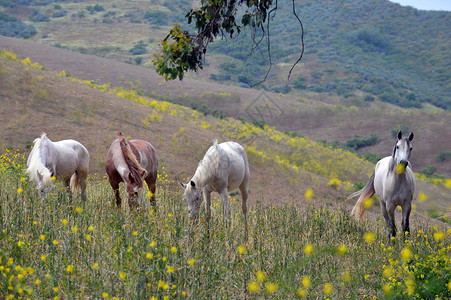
(302, 39)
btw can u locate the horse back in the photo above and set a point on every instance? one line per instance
(238, 165)
(146, 155)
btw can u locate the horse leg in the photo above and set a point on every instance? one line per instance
(115, 187)
(391, 217)
(150, 180)
(225, 205)
(207, 196)
(405, 219)
(67, 186)
(83, 179)
(244, 196)
(385, 214)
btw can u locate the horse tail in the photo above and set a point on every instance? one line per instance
(74, 182)
(367, 192)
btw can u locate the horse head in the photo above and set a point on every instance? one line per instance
(134, 188)
(192, 196)
(402, 150)
(44, 184)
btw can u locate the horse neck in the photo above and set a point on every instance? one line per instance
(207, 169)
(393, 173)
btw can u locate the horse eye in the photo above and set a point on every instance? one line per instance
(397, 147)
(411, 148)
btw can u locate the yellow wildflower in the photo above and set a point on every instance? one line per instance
(439, 236)
(302, 293)
(406, 254)
(422, 197)
(174, 249)
(253, 287)
(79, 210)
(42, 237)
(308, 249)
(342, 249)
(191, 262)
(369, 237)
(241, 249)
(328, 289)
(122, 275)
(308, 194)
(260, 275)
(271, 288)
(19, 190)
(70, 268)
(305, 282)
(95, 266)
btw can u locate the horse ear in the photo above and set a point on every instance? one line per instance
(182, 184)
(192, 184)
(411, 136)
(399, 135)
(39, 175)
(143, 173)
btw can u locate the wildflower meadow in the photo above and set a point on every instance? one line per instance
(59, 247)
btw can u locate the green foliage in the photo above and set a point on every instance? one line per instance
(371, 157)
(211, 20)
(178, 55)
(444, 156)
(356, 143)
(11, 26)
(429, 170)
(37, 16)
(402, 128)
(96, 8)
(259, 123)
(300, 83)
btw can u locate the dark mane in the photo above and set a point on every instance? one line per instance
(136, 170)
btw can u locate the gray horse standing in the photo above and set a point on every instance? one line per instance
(394, 183)
(224, 168)
(67, 160)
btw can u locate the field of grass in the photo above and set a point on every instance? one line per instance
(62, 247)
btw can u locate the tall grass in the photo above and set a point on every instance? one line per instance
(62, 247)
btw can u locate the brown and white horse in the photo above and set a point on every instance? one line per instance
(132, 162)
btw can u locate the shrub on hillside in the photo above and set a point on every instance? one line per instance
(13, 27)
(37, 16)
(444, 156)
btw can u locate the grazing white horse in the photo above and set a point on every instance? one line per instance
(224, 168)
(67, 160)
(394, 183)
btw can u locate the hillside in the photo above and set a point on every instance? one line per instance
(393, 53)
(318, 116)
(34, 100)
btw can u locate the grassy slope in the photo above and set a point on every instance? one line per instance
(61, 246)
(317, 116)
(44, 101)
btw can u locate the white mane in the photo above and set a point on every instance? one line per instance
(35, 164)
(209, 164)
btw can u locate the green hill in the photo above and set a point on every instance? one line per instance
(397, 54)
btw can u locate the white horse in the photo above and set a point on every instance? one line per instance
(224, 168)
(394, 183)
(67, 160)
